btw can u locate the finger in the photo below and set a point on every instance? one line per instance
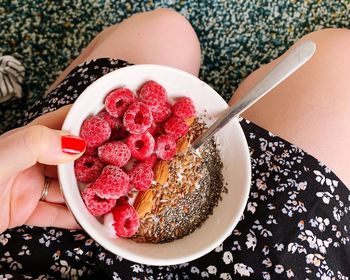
(53, 119)
(37, 143)
(54, 194)
(48, 214)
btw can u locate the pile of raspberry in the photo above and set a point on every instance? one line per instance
(123, 142)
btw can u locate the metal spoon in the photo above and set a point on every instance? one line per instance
(296, 58)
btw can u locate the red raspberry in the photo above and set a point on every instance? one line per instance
(175, 127)
(155, 130)
(112, 183)
(141, 177)
(118, 101)
(108, 118)
(153, 94)
(140, 145)
(116, 124)
(126, 220)
(162, 112)
(87, 168)
(96, 205)
(150, 161)
(137, 118)
(165, 147)
(183, 108)
(95, 131)
(116, 153)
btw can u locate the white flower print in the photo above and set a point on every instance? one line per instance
(24, 251)
(195, 270)
(290, 273)
(251, 240)
(27, 236)
(271, 220)
(204, 274)
(4, 238)
(14, 265)
(314, 259)
(251, 206)
(293, 206)
(219, 248)
(67, 272)
(266, 275)
(227, 257)
(261, 184)
(109, 261)
(337, 213)
(270, 206)
(279, 268)
(295, 247)
(149, 270)
(263, 144)
(225, 276)
(263, 231)
(236, 246)
(183, 265)
(265, 250)
(319, 177)
(56, 255)
(341, 276)
(301, 186)
(51, 236)
(242, 269)
(267, 262)
(279, 246)
(320, 223)
(78, 251)
(212, 269)
(116, 276)
(314, 242)
(326, 196)
(136, 268)
(5, 276)
(101, 256)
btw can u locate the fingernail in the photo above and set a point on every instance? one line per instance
(72, 145)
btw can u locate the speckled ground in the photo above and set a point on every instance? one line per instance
(236, 35)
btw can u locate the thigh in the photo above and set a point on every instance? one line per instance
(311, 109)
(161, 36)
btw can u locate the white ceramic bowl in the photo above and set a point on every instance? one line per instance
(234, 154)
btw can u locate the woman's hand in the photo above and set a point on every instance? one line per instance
(27, 155)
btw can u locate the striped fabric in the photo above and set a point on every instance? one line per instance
(11, 78)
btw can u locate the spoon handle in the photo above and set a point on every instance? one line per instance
(296, 58)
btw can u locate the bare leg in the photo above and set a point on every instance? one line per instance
(158, 37)
(311, 109)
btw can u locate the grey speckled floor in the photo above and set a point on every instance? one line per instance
(236, 35)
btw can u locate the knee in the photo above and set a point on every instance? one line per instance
(332, 43)
(174, 34)
(169, 19)
(171, 23)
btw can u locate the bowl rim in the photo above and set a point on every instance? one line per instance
(158, 261)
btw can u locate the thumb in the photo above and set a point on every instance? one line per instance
(24, 148)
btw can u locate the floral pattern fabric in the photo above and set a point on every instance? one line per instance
(295, 224)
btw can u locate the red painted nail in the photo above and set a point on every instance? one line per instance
(72, 145)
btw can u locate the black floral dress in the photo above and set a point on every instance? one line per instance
(295, 225)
